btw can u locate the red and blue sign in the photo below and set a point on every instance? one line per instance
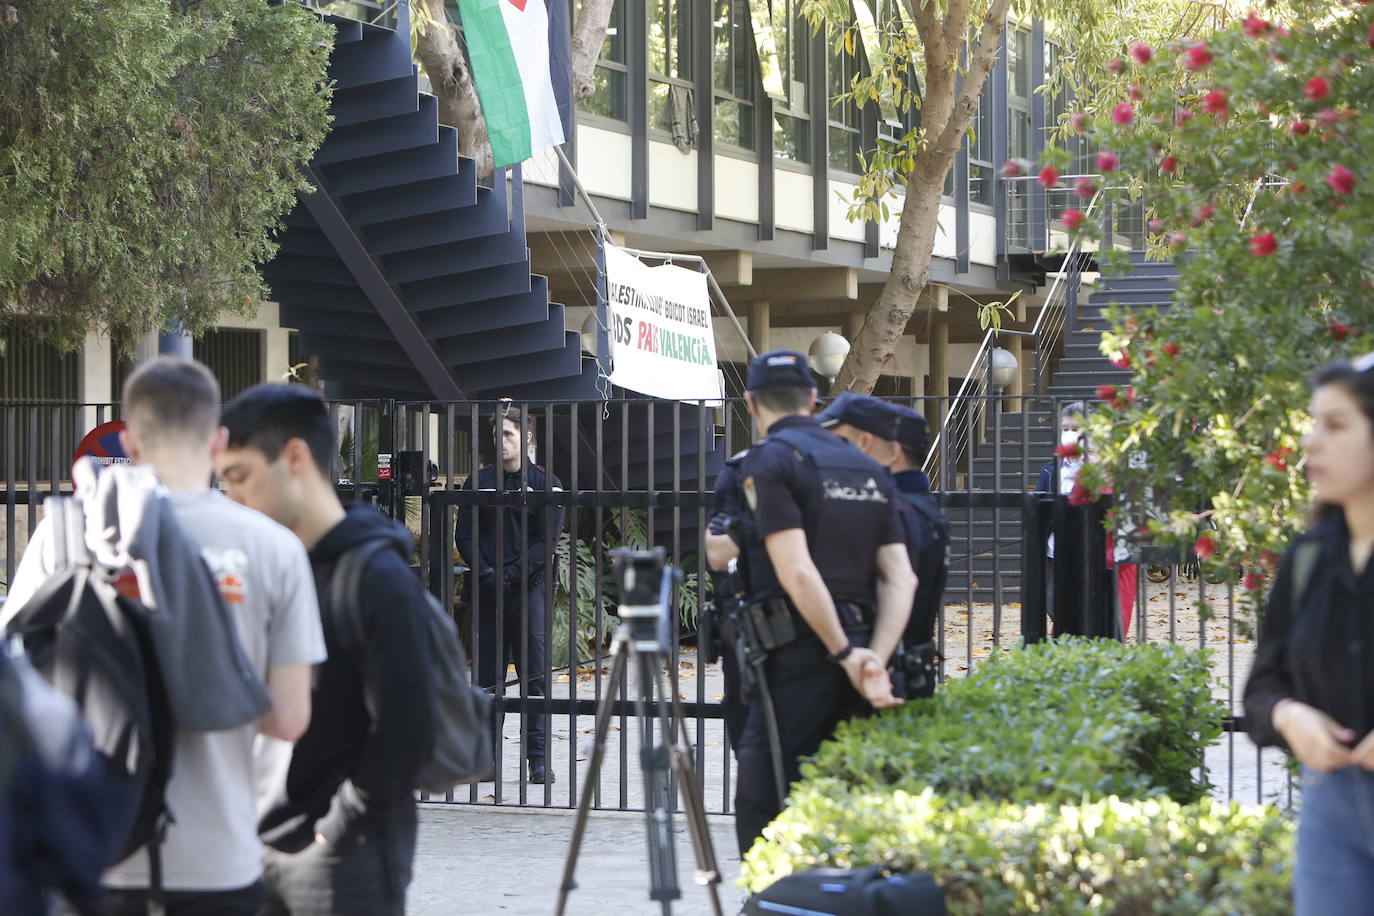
(102, 444)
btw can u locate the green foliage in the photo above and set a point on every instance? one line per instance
(629, 528)
(1270, 192)
(147, 153)
(1055, 779)
(1052, 722)
(1105, 856)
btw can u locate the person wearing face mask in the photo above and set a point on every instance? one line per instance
(1058, 477)
(1311, 689)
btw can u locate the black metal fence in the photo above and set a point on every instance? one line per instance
(638, 473)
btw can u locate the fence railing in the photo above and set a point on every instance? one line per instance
(641, 472)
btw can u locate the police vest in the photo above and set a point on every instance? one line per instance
(842, 531)
(931, 564)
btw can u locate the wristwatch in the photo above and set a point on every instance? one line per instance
(841, 655)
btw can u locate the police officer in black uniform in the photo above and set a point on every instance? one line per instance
(512, 584)
(895, 436)
(829, 583)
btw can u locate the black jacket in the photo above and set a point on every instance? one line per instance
(529, 534)
(1320, 652)
(372, 711)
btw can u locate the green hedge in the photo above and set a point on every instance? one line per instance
(1050, 722)
(1007, 787)
(1106, 856)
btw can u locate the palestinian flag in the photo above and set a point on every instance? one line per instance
(522, 66)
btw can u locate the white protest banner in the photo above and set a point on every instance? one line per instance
(658, 321)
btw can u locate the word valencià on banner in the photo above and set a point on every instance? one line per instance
(662, 342)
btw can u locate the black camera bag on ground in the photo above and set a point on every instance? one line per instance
(871, 891)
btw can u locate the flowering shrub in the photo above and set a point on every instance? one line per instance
(1250, 148)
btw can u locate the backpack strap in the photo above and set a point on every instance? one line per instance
(1305, 556)
(345, 591)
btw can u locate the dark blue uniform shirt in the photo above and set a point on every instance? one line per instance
(784, 492)
(529, 534)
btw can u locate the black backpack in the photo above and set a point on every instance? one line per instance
(94, 645)
(462, 712)
(871, 891)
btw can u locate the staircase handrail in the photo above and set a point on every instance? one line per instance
(1052, 309)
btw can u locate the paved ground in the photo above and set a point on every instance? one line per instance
(474, 861)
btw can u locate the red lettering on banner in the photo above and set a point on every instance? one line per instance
(645, 336)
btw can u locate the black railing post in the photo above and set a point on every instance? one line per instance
(1035, 514)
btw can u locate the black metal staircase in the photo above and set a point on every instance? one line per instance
(997, 462)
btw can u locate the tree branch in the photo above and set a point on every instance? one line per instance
(587, 38)
(981, 58)
(923, 16)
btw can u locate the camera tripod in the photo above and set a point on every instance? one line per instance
(657, 760)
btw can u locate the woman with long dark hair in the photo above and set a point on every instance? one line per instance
(1312, 685)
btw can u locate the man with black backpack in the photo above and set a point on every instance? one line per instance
(337, 811)
(895, 436)
(183, 535)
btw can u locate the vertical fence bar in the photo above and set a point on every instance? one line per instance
(574, 599)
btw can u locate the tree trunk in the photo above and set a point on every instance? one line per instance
(452, 83)
(587, 38)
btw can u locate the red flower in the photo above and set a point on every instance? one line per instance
(1107, 392)
(1337, 331)
(1215, 102)
(1317, 89)
(1183, 117)
(1328, 118)
(1276, 461)
(1078, 121)
(1300, 128)
(1254, 26)
(1253, 581)
(1197, 56)
(1341, 179)
(1203, 214)
(1116, 67)
(1013, 168)
(1156, 226)
(1141, 53)
(1071, 219)
(1264, 244)
(1269, 558)
(1135, 92)
(1084, 187)
(1107, 161)
(1298, 187)
(1081, 495)
(1049, 176)
(1123, 361)
(1172, 350)
(1371, 36)
(1067, 451)
(1206, 546)
(1169, 164)
(1178, 238)
(1123, 114)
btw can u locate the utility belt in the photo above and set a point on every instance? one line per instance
(776, 623)
(915, 670)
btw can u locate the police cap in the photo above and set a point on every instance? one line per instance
(780, 369)
(881, 418)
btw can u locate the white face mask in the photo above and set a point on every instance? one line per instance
(1069, 437)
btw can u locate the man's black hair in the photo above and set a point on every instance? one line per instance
(498, 424)
(783, 399)
(267, 416)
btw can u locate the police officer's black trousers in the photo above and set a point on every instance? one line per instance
(530, 665)
(811, 695)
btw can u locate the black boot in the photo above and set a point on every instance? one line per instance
(540, 773)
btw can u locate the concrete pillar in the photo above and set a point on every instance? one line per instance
(853, 324)
(760, 317)
(939, 370)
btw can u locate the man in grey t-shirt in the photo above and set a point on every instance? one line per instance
(211, 858)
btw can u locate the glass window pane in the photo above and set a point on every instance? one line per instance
(844, 150)
(979, 184)
(613, 47)
(790, 138)
(735, 123)
(668, 33)
(660, 106)
(609, 98)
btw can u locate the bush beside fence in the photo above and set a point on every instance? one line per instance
(1058, 778)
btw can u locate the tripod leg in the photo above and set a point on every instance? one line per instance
(584, 803)
(654, 760)
(674, 726)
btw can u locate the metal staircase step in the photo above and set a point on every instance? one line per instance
(404, 201)
(386, 135)
(368, 102)
(372, 173)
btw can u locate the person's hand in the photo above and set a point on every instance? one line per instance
(512, 576)
(870, 678)
(1363, 754)
(1316, 739)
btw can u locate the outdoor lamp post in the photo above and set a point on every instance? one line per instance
(588, 332)
(827, 355)
(1002, 367)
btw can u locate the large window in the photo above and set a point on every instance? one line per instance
(734, 76)
(609, 98)
(791, 118)
(844, 124)
(1020, 129)
(980, 170)
(670, 67)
